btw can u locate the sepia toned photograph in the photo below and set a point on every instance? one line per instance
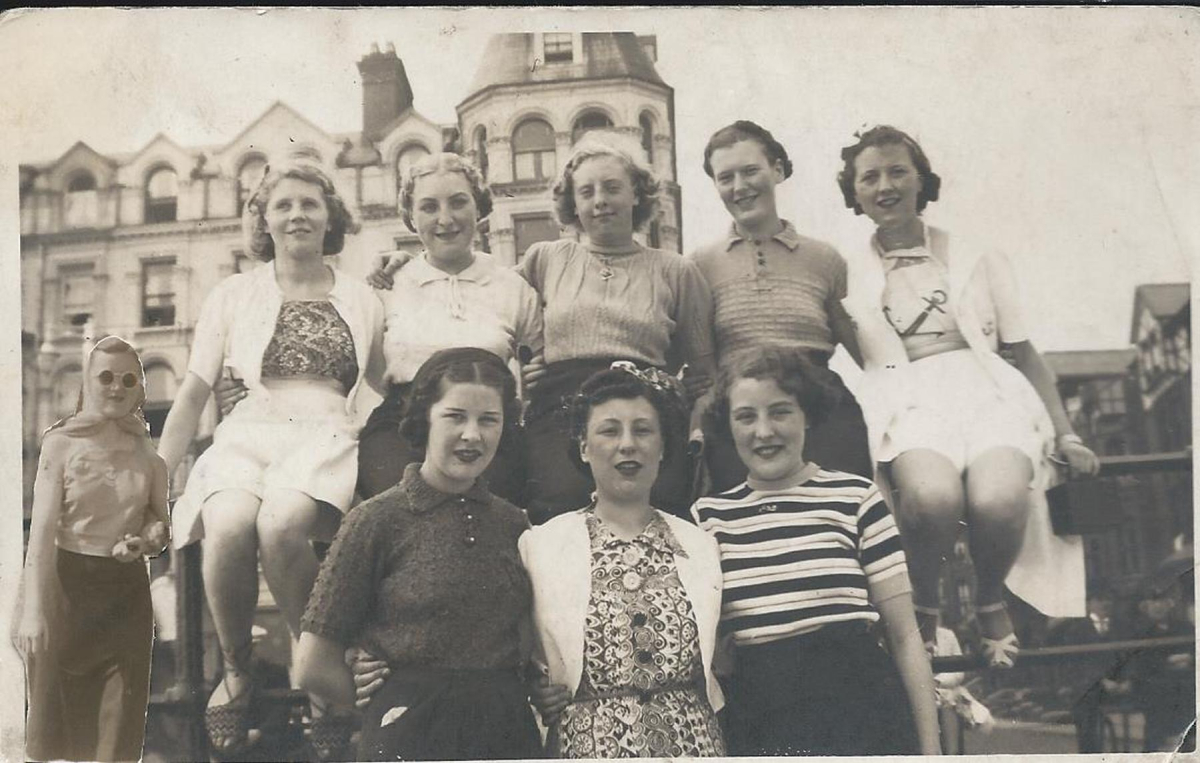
(512, 383)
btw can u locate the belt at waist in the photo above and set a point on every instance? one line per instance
(644, 695)
(918, 348)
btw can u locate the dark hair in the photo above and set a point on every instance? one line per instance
(599, 143)
(254, 221)
(744, 129)
(459, 365)
(617, 384)
(813, 386)
(886, 135)
(445, 162)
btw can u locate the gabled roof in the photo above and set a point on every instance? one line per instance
(286, 111)
(1163, 300)
(606, 55)
(1090, 363)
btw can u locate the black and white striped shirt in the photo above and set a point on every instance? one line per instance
(803, 557)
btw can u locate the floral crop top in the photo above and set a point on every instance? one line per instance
(310, 339)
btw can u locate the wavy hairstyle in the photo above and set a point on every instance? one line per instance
(459, 365)
(886, 135)
(596, 143)
(254, 221)
(438, 163)
(744, 129)
(618, 384)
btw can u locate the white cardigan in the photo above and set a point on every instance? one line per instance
(558, 560)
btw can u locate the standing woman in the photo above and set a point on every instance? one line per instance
(282, 466)
(608, 298)
(771, 285)
(85, 623)
(426, 576)
(811, 559)
(626, 598)
(965, 437)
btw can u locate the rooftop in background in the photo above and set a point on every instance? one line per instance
(1090, 363)
(1163, 299)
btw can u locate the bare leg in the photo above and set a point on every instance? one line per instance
(929, 513)
(998, 498)
(285, 525)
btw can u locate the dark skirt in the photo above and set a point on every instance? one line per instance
(555, 484)
(450, 714)
(839, 442)
(383, 453)
(831, 692)
(88, 693)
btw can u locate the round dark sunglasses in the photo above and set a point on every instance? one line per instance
(106, 378)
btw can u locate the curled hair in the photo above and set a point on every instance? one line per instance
(596, 143)
(254, 221)
(616, 384)
(812, 386)
(886, 135)
(744, 129)
(459, 365)
(443, 163)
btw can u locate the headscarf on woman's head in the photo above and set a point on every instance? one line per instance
(87, 420)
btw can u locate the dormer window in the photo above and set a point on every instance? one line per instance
(249, 176)
(80, 205)
(81, 181)
(162, 196)
(558, 47)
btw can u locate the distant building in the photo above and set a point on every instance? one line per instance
(1161, 331)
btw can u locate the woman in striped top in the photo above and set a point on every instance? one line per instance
(811, 560)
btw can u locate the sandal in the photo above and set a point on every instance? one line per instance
(999, 652)
(329, 735)
(231, 721)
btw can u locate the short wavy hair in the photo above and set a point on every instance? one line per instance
(812, 386)
(254, 221)
(615, 384)
(886, 135)
(594, 143)
(459, 365)
(744, 129)
(443, 162)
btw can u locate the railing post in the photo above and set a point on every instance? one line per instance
(189, 657)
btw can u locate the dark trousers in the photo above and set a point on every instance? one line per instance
(831, 692)
(555, 484)
(450, 715)
(839, 442)
(383, 453)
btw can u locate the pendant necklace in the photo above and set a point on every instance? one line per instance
(606, 272)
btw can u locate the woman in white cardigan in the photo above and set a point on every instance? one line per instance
(626, 598)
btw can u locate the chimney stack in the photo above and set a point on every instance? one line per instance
(386, 92)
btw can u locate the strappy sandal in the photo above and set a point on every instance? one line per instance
(231, 721)
(1000, 652)
(329, 735)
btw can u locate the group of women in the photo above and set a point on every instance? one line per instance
(773, 616)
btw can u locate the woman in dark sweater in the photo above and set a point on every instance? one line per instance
(426, 575)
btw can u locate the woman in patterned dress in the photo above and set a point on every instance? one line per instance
(282, 466)
(626, 597)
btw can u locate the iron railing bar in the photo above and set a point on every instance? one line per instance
(1049, 654)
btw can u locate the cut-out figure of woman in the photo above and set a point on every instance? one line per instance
(84, 623)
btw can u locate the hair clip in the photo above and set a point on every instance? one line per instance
(652, 377)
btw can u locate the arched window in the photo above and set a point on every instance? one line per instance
(406, 158)
(590, 120)
(81, 181)
(250, 174)
(162, 191)
(646, 122)
(533, 150)
(481, 157)
(160, 391)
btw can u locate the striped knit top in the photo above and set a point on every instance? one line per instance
(796, 559)
(639, 305)
(777, 290)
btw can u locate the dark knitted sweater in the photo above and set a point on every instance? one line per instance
(424, 578)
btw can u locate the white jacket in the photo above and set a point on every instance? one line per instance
(558, 559)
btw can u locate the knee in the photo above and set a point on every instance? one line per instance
(284, 527)
(1000, 507)
(929, 505)
(228, 532)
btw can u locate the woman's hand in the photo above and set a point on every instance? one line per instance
(128, 549)
(533, 371)
(549, 699)
(1079, 457)
(229, 390)
(31, 636)
(154, 537)
(386, 264)
(369, 674)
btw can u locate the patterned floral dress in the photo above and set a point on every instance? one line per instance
(642, 693)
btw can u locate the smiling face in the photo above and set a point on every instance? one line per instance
(113, 387)
(297, 216)
(887, 185)
(768, 429)
(604, 200)
(465, 426)
(624, 447)
(444, 215)
(746, 180)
